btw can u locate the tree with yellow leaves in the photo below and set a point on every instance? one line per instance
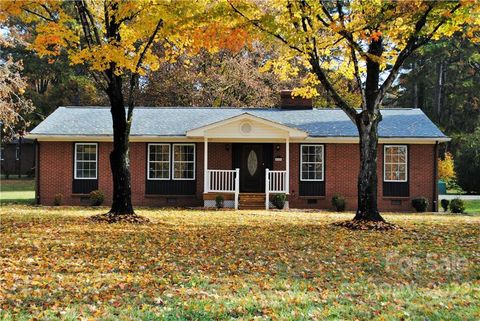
(446, 168)
(114, 39)
(354, 49)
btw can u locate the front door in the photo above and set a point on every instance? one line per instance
(252, 159)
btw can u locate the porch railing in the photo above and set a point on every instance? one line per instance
(275, 182)
(224, 181)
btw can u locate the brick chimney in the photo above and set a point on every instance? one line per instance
(289, 102)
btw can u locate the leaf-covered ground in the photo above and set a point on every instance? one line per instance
(215, 265)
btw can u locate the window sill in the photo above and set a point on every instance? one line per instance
(169, 196)
(396, 197)
(312, 197)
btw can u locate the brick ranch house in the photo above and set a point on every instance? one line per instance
(187, 156)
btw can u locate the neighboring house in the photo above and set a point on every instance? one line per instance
(17, 157)
(187, 156)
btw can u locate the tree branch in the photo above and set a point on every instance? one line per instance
(135, 75)
(322, 77)
(413, 43)
(259, 26)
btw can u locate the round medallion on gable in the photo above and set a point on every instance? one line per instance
(246, 128)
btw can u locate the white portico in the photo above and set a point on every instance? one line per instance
(253, 139)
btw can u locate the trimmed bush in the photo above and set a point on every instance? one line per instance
(445, 204)
(219, 201)
(339, 203)
(457, 206)
(420, 204)
(96, 198)
(467, 164)
(57, 199)
(279, 201)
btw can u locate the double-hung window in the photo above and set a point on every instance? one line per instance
(183, 161)
(311, 163)
(86, 156)
(159, 161)
(395, 163)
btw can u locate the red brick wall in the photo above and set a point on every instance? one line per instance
(342, 164)
(341, 170)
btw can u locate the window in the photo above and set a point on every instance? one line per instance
(1, 153)
(158, 161)
(17, 153)
(311, 163)
(184, 161)
(395, 163)
(85, 161)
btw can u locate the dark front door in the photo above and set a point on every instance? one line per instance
(252, 159)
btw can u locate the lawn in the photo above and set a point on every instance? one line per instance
(216, 265)
(17, 191)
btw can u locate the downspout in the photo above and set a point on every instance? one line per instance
(435, 179)
(37, 172)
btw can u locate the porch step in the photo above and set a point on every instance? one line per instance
(251, 201)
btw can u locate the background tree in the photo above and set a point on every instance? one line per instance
(365, 42)
(467, 163)
(223, 78)
(14, 106)
(441, 78)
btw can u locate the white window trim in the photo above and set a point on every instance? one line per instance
(75, 161)
(323, 164)
(148, 162)
(194, 162)
(406, 164)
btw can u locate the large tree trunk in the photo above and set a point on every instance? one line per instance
(367, 124)
(119, 157)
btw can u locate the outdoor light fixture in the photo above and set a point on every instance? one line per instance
(227, 147)
(277, 147)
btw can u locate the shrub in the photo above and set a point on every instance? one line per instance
(219, 201)
(96, 198)
(444, 204)
(457, 206)
(420, 204)
(467, 164)
(339, 203)
(57, 199)
(279, 201)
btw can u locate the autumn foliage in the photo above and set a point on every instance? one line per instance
(214, 265)
(446, 168)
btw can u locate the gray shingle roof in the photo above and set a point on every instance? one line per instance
(175, 121)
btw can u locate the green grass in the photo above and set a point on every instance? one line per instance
(472, 207)
(242, 265)
(17, 191)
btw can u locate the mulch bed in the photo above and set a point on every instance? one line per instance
(367, 225)
(115, 218)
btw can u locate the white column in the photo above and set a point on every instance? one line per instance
(205, 165)
(267, 189)
(287, 165)
(237, 186)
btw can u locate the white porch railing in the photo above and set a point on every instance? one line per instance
(275, 182)
(224, 181)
